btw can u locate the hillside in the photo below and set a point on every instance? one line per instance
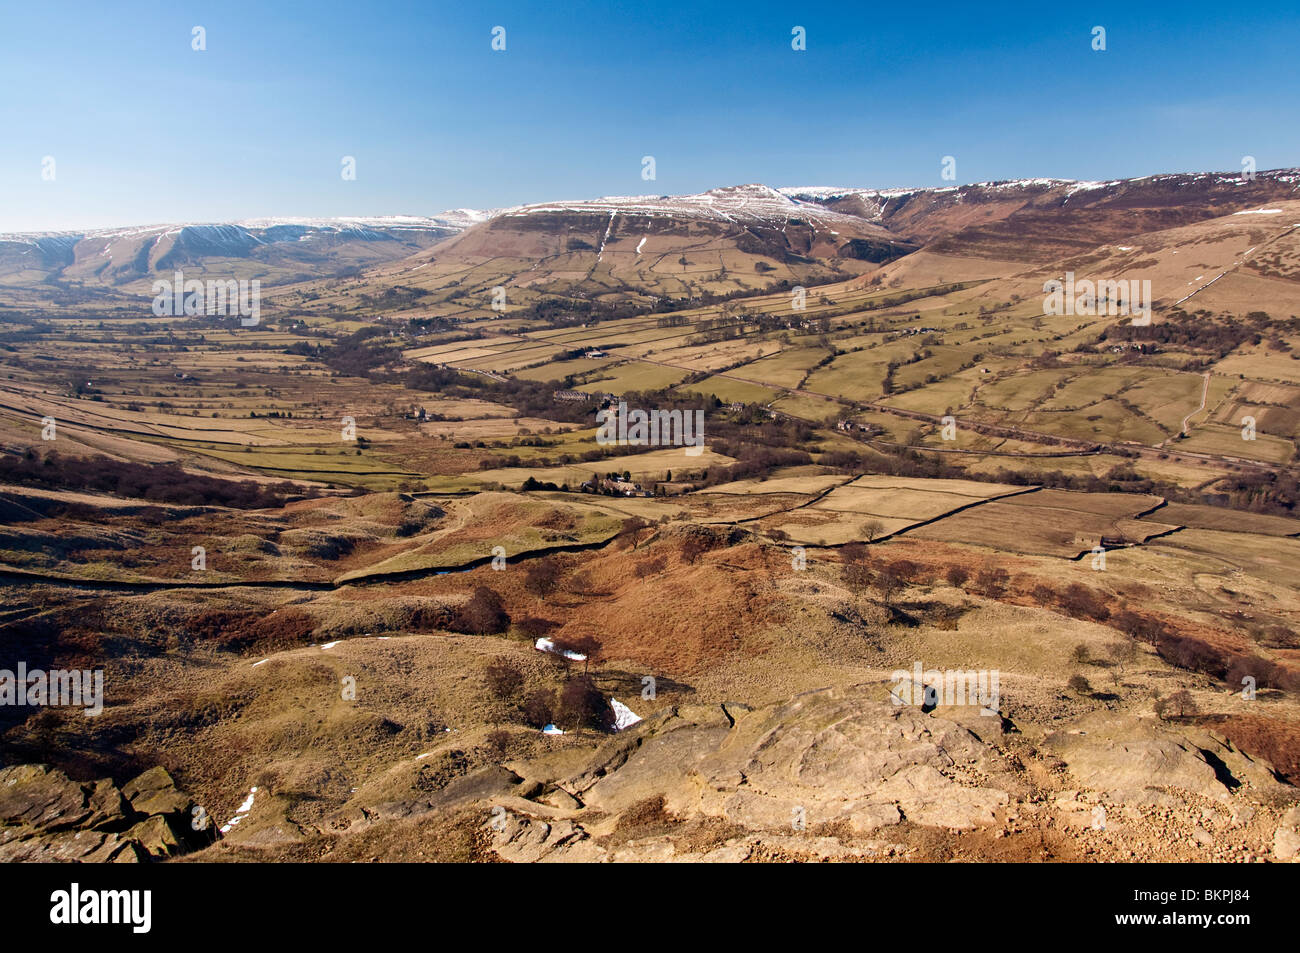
(365, 580)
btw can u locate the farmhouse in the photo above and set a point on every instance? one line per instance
(623, 488)
(614, 487)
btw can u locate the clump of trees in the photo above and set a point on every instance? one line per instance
(577, 703)
(1144, 628)
(1276, 494)
(1197, 655)
(651, 567)
(861, 576)
(483, 613)
(1178, 705)
(752, 462)
(156, 482)
(1219, 335)
(1075, 600)
(581, 705)
(504, 680)
(992, 581)
(698, 542)
(362, 352)
(857, 573)
(542, 577)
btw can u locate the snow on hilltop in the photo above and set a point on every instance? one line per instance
(738, 203)
(825, 193)
(456, 218)
(452, 221)
(743, 204)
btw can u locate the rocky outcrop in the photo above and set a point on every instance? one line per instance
(843, 775)
(1130, 759)
(1286, 842)
(825, 757)
(831, 760)
(46, 816)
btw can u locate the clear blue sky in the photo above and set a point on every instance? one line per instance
(144, 129)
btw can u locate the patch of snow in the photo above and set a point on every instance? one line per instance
(624, 717)
(1090, 186)
(263, 662)
(1259, 211)
(1023, 183)
(546, 645)
(241, 812)
(825, 192)
(552, 730)
(600, 252)
(330, 645)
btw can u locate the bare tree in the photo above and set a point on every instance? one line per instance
(504, 680)
(992, 581)
(857, 577)
(887, 584)
(854, 553)
(1178, 705)
(693, 547)
(588, 646)
(1122, 653)
(543, 576)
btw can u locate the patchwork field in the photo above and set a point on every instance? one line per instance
(1051, 523)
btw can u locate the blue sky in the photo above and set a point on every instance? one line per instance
(144, 129)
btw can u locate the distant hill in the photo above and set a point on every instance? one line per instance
(274, 250)
(732, 240)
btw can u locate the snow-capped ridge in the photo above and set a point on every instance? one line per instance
(751, 203)
(452, 220)
(825, 193)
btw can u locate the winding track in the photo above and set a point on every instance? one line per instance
(1205, 393)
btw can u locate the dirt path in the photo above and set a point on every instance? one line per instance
(1205, 394)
